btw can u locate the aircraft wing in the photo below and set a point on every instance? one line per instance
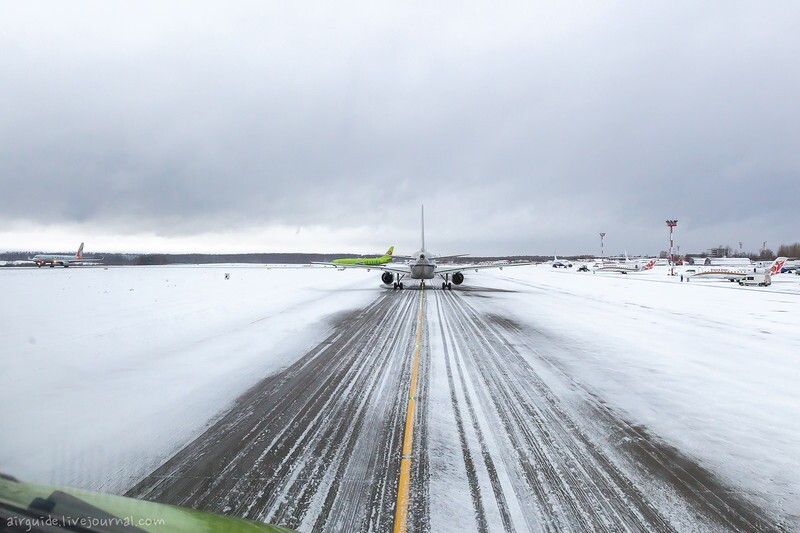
(397, 268)
(450, 269)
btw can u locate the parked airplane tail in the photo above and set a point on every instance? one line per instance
(390, 251)
(650, 264)
(79, 254)
(777, 266)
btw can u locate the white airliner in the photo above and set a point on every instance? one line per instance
(558, 263)
(422, 266)
(63, 260)
(734, 274)
(624, 267)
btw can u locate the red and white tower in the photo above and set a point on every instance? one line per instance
(602, 234)
(671, 224)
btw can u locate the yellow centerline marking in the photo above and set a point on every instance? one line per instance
(404, 485)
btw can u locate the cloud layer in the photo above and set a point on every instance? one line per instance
(523, 128)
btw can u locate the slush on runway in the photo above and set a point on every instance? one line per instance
(317, 447)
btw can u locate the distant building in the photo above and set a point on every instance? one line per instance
(719, 251)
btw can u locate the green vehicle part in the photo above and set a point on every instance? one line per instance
(33, 507)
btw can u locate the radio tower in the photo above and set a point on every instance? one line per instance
(602, 234)
(671, 224)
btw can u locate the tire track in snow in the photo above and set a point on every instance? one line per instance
(552, 481)
(706, 497)
(317, 446)
(550, 460)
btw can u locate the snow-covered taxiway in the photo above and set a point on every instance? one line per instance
(547, 400)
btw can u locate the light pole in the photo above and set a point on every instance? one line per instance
(602, 234)
(671, 224)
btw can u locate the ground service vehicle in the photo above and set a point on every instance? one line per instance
(760, 280)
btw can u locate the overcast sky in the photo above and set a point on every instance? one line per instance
(301, 126)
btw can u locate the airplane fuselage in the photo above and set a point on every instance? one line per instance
(363, 261)
(53, 260)
(423, 270)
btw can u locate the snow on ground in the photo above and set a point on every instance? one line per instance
(108, 372)
(708, 366)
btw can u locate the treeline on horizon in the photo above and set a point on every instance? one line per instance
(119, 259)
(253, 258)
(792, 251)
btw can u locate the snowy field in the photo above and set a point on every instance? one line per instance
(107, 373)
(710, 367)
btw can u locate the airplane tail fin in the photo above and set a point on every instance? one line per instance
(390, 251)
(79, 253)
(777, 265)
(650, 264)
(422, 212)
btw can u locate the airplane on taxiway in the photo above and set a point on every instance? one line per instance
(63, 260)
(424, 266)
(558, 263)
(370, 261)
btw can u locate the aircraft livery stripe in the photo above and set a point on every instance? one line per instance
(403, 487)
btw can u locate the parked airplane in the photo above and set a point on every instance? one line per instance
(371, 261)
(734, 274)
(63, 260)
(557, 263)
(423, 266)
(791, 265)
(626, 266)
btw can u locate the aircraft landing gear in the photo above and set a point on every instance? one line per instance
(446, 285)
(398, 286)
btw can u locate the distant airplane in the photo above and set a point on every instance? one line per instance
(734, 274)
(423, 266)
(791, 265)
(557, 263)
(370, 261)
(626, 266)
(63, 260)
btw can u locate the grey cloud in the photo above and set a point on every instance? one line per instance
(523, 128)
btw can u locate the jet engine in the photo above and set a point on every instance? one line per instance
(387, 278)
(458, 278)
